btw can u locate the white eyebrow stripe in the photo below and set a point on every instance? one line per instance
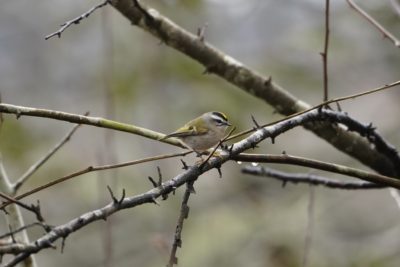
(219, 115)
(217, 118)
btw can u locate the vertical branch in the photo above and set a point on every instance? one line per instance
(14, 216)
(109, 136)
(178, 231)
(324, 54)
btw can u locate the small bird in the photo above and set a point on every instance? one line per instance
(203, 132)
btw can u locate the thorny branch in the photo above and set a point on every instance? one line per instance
(184, 214)
(76, 20)
(319, 165)
(307, 178)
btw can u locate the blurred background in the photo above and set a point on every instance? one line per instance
(115, 70)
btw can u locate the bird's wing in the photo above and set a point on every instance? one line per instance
(186, 131)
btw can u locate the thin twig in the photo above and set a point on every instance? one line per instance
(43, 160)
(363, 13)
(335, 100)
(325, 53)
(320, 165)
(310, 179)
(184, 213)
(32, 208)
(76, 20)
(92, 169)
(217, 146)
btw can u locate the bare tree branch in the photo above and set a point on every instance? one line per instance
(364, 14)
(184, 214)
(93, 169)
(324, 54)
(76, 20)
(80, 119)
(319, 165)
(321, 105)
(310, 179)
(43, 160)
(237, 73)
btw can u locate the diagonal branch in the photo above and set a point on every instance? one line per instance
(385, 33)
(76, 20)
(235, 72)
(43, 160)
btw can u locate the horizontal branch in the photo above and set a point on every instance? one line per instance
(312, 179)
(87, 120)
(307, 178)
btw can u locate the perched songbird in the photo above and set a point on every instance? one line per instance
(203, 132)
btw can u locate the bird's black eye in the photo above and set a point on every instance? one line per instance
(219, 122)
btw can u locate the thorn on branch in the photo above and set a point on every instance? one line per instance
(185, 166)
(154, 200)
(159, 176)
(148, 19)
(218, 167)
(201, 32)
(210, 69)
(63, 243)
(339, 108)
(152, 182)
(255, 123)
(116, 201)
(50, 245)
(190, 188)
(268, 81)
(254, 145)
